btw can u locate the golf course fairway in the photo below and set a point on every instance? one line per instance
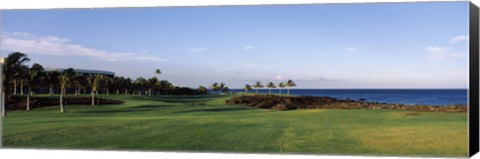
(204, 123)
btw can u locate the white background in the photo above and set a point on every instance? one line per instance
(77, 154)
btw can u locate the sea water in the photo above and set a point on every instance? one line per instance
(401, 96)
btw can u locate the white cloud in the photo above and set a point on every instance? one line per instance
(59, 46)
(436, 49)
(458, 38)
(248, 47)
(352, 49)
(23, 35)
(279, 77)
(198, 50)
(435, 53)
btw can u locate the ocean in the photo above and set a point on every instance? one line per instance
(402, 96)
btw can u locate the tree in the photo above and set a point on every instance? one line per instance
(257, 85)
(289, 84)
(79, 82)
(152, 83)
(65, 79)
(202, 90)
(22, 77)
(33, 78)
(51, 77)
(12, 68)
(19, 77)
(270, 85)
(247, 88)
(215, 87)
(117, 84)
(135, 87)
(94, 82)
(164, 85)
(107, 83)
(281, 85)
(128, 85)
(141, 84)
(224, 88)
(158, 72)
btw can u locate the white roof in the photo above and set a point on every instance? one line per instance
(84, 71)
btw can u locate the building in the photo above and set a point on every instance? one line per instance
(85, 72)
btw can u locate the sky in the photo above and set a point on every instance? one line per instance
(368, 45)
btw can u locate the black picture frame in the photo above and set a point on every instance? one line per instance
(473, 95)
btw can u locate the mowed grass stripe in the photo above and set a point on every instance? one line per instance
(175, 123)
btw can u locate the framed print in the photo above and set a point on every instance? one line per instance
(357, 79)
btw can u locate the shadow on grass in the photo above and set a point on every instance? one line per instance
(154, 106)
(113, 111)
(216, 110)
(188, 102)
(141, 108)
(181, 99)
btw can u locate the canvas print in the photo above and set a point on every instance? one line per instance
(374, 79)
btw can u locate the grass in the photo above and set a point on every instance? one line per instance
(173, 123)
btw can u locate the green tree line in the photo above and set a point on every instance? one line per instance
(18, 78)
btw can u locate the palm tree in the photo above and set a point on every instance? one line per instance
(247, 87)
(94, 82)
(135, 86)
(152, 84)
(19, 78)
(12, 68)
(141, 84)
(117, 84)
(65, 79)
(257, 85)
(221, 86)
(78, 82)
(22, 77)
(281, 85)
(164, 85)
(15, 68)
(226, 90)
(108, 82)
(128, 85)
(158, 72)
(215, 87)
(289, 84)
(32, 79)
(51, 77)
(270, 85)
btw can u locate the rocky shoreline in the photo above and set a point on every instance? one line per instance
(312, 102)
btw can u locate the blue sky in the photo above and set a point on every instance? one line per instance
(375, 45)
